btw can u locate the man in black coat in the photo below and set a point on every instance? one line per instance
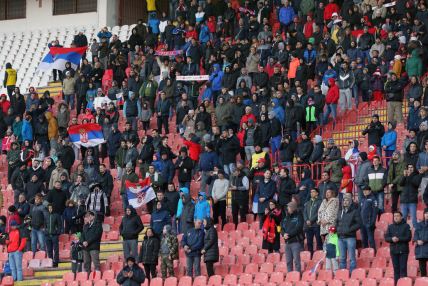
(106, 181)
(292, 232)
(210, 250)
(310, 217)
(184, 165)
(57, 197)
(20, 177)
(287, 188)
(129, 229)
(131, 274)
(66, 155)
(375, 131)
(304, 149)
(399, 235)
(348, 222)
(91, 240)
(229, 147)
(53, 230)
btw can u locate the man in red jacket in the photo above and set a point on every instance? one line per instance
(331, 100)
(15, 245)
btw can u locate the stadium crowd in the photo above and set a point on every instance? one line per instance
(277, 71)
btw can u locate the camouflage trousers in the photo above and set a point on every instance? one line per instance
(167, 267)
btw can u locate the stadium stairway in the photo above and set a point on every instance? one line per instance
(53, 87)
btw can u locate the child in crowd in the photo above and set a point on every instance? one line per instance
(331, 248)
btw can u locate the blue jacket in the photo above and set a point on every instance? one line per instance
(202, 208)
(207, 161)
(216, 77)
(310, 56)
(204, 34)
(354, 53)
(159, 219)
(286, 15)
(368, 210)
(389, 140)
(163, 107)
(208, 94)
(153, 23)
(27, 131)
(266, 191)
(113, 142)
(330, 73)
(422, 160)
(194, 239)
(167, 170)
(185, 191)
(106, 35)
(413, 118)
(279, 113)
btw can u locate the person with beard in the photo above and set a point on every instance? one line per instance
(266, 188)
(411, 154)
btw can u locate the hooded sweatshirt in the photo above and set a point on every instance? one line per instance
(202, 207)
(389, 139)
(332, 93)
(131, 225)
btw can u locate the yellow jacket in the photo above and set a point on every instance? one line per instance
(11, 77)
(151, 5)
(256, 157)
(397, 68)
(52, 126)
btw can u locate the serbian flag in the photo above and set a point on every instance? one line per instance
(57, 57)
(86, 135)
(139, 193)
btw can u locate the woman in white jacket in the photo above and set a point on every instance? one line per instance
(219, 196)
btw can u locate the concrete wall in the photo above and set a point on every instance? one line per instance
(43, 18)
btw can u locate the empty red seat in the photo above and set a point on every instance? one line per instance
(59, 283)
(309, 276)
(318, 283)
(223, 250)
(259, 258)
(318, 255)
(46, 263)
(281, 267)
(156, 281)
(421, 281)
(230, 279)
(261, 278)
(359, 274)
(228, 227)
(229, 260)
(273, 257)
(237, 250)
(342, 274)
(286, 283)
(266, 267)
(379, 262)
(251, 250)
(81, 276)
(383, 252)
(375, 273)
(251, 268)
(277, 277)
(235, 269)
(325, 275)
(7, 281)
(369, 282)
(389, 282)
(64, 254)
(200, 281)
(301, 283)
(243, 259)
(242, 226)
(185, 280)
(305, 256)
(214, 280)
(100, 283)
(221, 269)
(86, 283)
(28, 255)
(40, 254)
(170, 281)
(352, 282)
(406, 281)
(367, 253)
(245, 279)
(335, 282)
(68, 276)
(293, 276)
(113, 235)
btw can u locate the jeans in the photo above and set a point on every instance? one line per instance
(330, 108)
(312, 232)
(52, 246)
(134, 122)
(204, 177)
(292, 254)
(274, 145)
(380, 198)
(345, 99)
(124, 201)
(193, 262)
(163, 120)
(69, 99)
(89, 257)
(347, 247)
(355, 94)
(37, 236)
(399, 262)
(249, 151)
(367, 237)
(229, 168)
(130, 248)
(120, 172)
(15, 263)
(409, 208)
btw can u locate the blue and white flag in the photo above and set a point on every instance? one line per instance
(140, 193)
(57, 57)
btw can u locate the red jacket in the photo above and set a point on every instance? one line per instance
(332, 93)
(195, 149)
(346, 183)
(5, 105)
(15, 242)
(247, 117)
(192, 34)
(329, 10)
(308, 29)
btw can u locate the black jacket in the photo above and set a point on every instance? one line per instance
(92, 234)
(324, 186)
(57, 198)
(292, 224)
(228, 149)
(287, 188)
(149, 250)
(187, 214)
(131, 225)
(106, 181)
(375, 132)
(394, 91)
(66, 155)
(53, 224)
(137, 278)
(211, 243)
(172, 199)
(19, 179)
(184, 167)
(287, 150)
(310, 212)
(348, 221)
(402, 232)
(304, 150)
(410, 184)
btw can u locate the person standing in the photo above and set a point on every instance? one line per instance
(421, 239)
(131, 274)
(292, 232)
(97, 201)
(368, 211)
(15, 246)
(9, 81)
(210, 250)
(68, 89)
(327, 213)
(409, 194)
(162, 112)
(399, 235)
(129, 229)
(239, 187)
(375, 131)
(193, 243)
(38, 214)
(395, 174)
(128, 176)
(265, 191)
(149, 253)
(219, 195)
(394, 98)
(348, 222)
(270, 229)
(91, 240)
(185, 166)
(310, 217)
(53, 230)
(376, 178)
(168, 251)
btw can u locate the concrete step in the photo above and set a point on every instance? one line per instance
(54, 83)
(36, 282)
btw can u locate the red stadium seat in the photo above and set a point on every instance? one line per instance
(261, 278)
(40, 254)
(242, 226)
(230, 279)
(251, 268)
(86, 283)
(359, 274)
(73, 283)
(223, 250)
(293, 276)
(68, 276)
(301, 283)
(285, 283)
(243, 259)
(34, 263)
(170, 281)
(237, 250)
(325, 275)
(251, 250)
(185, 280)
(228, 260)
(228, 227)
(7, 281)
(318, 255)
(404, 282)
(305, 256)
(259, 258)
(375, 273)
(281, 267)
(318, 283)
(421, 281)
(46, 263)
(383, 252)
(335, 283)
(277, 277)
(236, 269)
(59, 283)
(28, 255)
(379, 262)
(214, 280)
(388, 282)
(109, 275)
(352, 282)
(221, 269)
(342, 274)
(369, 282)
(113, 235)
(156, 281)
(309, 276)
(200, 281)
(81, 276)
(273, 258)
(100, 283)
(367, 253)
(245, 279)
(266, 267)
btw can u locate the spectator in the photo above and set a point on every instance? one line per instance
(97, 201)
(389, 141)
(327, 213)
(421, 239)
(185, 211)
(219, 193)
(292, 232)
(149, 253)
(129, 229)
(38, 214)
(193, 243)
(128, 176)
(168, 252)
(210, 250)
(375, 131)
(91, 239)
(368, 211)
(410, 182)
(265, 192)
(160, 217)
(310, 217)
(331, 247)
(185, 166)
(348, 222)
(376, 179)
(53, 230)
(15, 247)
(394, 97)
(395, 175)
(271, 235)
(399, 235)
(131, 274)
(57, 197)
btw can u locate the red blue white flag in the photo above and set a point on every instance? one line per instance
(57, 57)
(86, 135)
(139, 193)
